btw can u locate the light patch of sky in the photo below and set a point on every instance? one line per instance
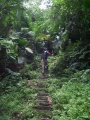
(28, 4)
(43, 5)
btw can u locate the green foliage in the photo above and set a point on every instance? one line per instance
(10, 47)
(81, 76)
(23, 42)
(10, 80)
(17, 101)
(9, 15)
(75, 57)
(31, 71)
(8, 53)
(70, 96)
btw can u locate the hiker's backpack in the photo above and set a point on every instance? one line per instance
(44, 55)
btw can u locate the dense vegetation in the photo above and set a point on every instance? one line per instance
(62, 26)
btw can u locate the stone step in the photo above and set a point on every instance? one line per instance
(45, 118)
(45, 104)
(38, 95)
(42, 94)
(41, 89)
(40, 107)
(41, 101)
(42, 97)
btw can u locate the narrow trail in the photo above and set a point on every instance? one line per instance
(43, 102)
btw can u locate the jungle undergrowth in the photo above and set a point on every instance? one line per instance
(70, 95)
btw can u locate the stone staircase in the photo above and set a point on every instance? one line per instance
(43, 102)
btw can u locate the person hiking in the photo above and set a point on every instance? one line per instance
(44, 61)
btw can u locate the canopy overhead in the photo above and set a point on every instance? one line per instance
(29, 50)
